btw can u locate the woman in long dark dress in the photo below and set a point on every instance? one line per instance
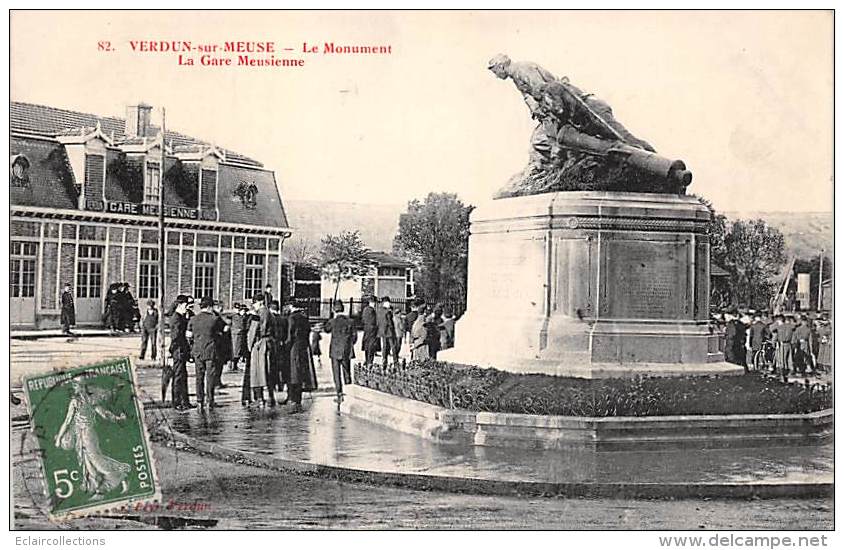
(302, 372)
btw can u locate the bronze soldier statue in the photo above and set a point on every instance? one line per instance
(578, 144)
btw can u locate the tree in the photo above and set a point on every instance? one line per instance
(301, 250)
(434, 234)
(343, 257)
(754, 254)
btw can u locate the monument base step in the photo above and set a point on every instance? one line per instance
(578, 368)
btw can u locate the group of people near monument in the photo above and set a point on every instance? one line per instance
(278, 349)
(789, 343)
(426, 329)
(273, 348)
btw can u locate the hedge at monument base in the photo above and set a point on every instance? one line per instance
(473, 388)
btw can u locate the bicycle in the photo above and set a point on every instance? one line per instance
(764, 357)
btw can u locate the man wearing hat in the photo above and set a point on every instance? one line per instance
(261, 344)
(179, 351)
(757, 335)
(343, 336)
(239, 327)
(387, 331)
(370, 330)
(801, 345)
(68, 309)
(149, 328)
(735, 335)
(302, 373)
(207, 330)
(782, 332)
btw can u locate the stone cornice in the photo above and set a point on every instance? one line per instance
(144, 221)
(602, 223)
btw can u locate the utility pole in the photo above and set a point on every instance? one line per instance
(162, 352)
(820, 283)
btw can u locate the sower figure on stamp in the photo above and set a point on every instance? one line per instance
(149, 329)
(68, 309)
(179, 351)
(100, 472)
(206, 328)
(343, 336)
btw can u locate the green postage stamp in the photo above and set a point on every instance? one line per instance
(94, 446)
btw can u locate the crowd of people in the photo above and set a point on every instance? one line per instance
(120, 310)
(271, 346)
(278, 349)
(796, 343)
(426, 329)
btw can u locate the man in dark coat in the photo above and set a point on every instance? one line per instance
(278, 327)
(179, 351)
(68, 309)
(130, 312)
(387, 331)
(343, 336)
(206, 329)
(111, 315)
(735, 334)
(149, 330)
(370, 330)
(302, 374)
(757, 335)
(283, 346)
(801, 345)
(224, 345)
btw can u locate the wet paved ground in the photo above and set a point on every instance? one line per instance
(321, 435)
(235, 496)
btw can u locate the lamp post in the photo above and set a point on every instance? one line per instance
(161, 245)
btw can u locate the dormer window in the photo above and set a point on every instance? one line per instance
(19, 171)
(151, 183)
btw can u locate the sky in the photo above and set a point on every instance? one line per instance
(744, 98)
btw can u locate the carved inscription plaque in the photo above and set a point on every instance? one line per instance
(646, 280)
(508, 274)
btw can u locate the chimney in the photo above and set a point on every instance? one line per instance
(137, 120)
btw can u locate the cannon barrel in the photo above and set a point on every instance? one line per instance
(670, 170)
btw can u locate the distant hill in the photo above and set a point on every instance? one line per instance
(312, 220)
(806, 233)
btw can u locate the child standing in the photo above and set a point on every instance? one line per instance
(315, 339)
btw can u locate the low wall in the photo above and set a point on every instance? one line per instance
(602, 434)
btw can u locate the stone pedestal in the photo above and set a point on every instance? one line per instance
(590, 284)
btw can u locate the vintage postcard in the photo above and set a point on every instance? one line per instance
(423, 270)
